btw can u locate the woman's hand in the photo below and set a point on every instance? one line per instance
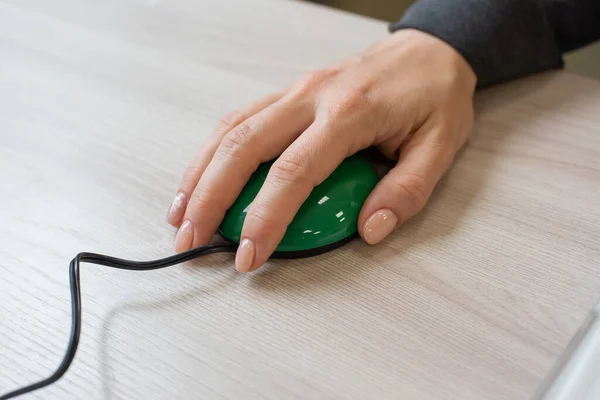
(411, 96)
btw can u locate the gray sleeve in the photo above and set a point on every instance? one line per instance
(507, 39)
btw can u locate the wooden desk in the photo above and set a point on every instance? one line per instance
(102, 104)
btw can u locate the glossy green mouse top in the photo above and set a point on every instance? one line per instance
(327, 218)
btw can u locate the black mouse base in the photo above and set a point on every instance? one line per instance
(311, 252)
(283, 255)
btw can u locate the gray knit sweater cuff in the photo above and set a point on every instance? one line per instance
(500, 39)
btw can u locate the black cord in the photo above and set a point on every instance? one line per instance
(75, 284)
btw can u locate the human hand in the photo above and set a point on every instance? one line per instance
(410, 96)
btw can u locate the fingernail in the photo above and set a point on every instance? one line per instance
(176, 210)
(185, 237)
(245, 256)
(379, 225)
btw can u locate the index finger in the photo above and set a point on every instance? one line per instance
(242, 150)
(204, 155)
(305, 164)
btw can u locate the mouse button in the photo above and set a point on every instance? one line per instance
(330, 214)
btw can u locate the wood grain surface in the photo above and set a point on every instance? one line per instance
(102, 104)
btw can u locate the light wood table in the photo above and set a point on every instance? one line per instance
(102, 104)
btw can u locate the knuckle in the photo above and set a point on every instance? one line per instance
(350, 102)
(414, 188)
(238, 138)
(293, 168)
(257, 217)
(312, 80)
(228, 122)
(191, 173)
(316, 77)
(200, 204)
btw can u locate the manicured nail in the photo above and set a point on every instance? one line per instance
(177, 209)
(379, 225)
(245, 256)
(185, 237)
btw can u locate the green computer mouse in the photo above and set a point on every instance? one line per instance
(326, 220)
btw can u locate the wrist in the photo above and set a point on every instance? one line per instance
(439, 51)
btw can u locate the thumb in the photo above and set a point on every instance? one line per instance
(406, 188)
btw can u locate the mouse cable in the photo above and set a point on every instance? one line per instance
(75, 285)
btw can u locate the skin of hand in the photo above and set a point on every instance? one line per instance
(410, 96)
